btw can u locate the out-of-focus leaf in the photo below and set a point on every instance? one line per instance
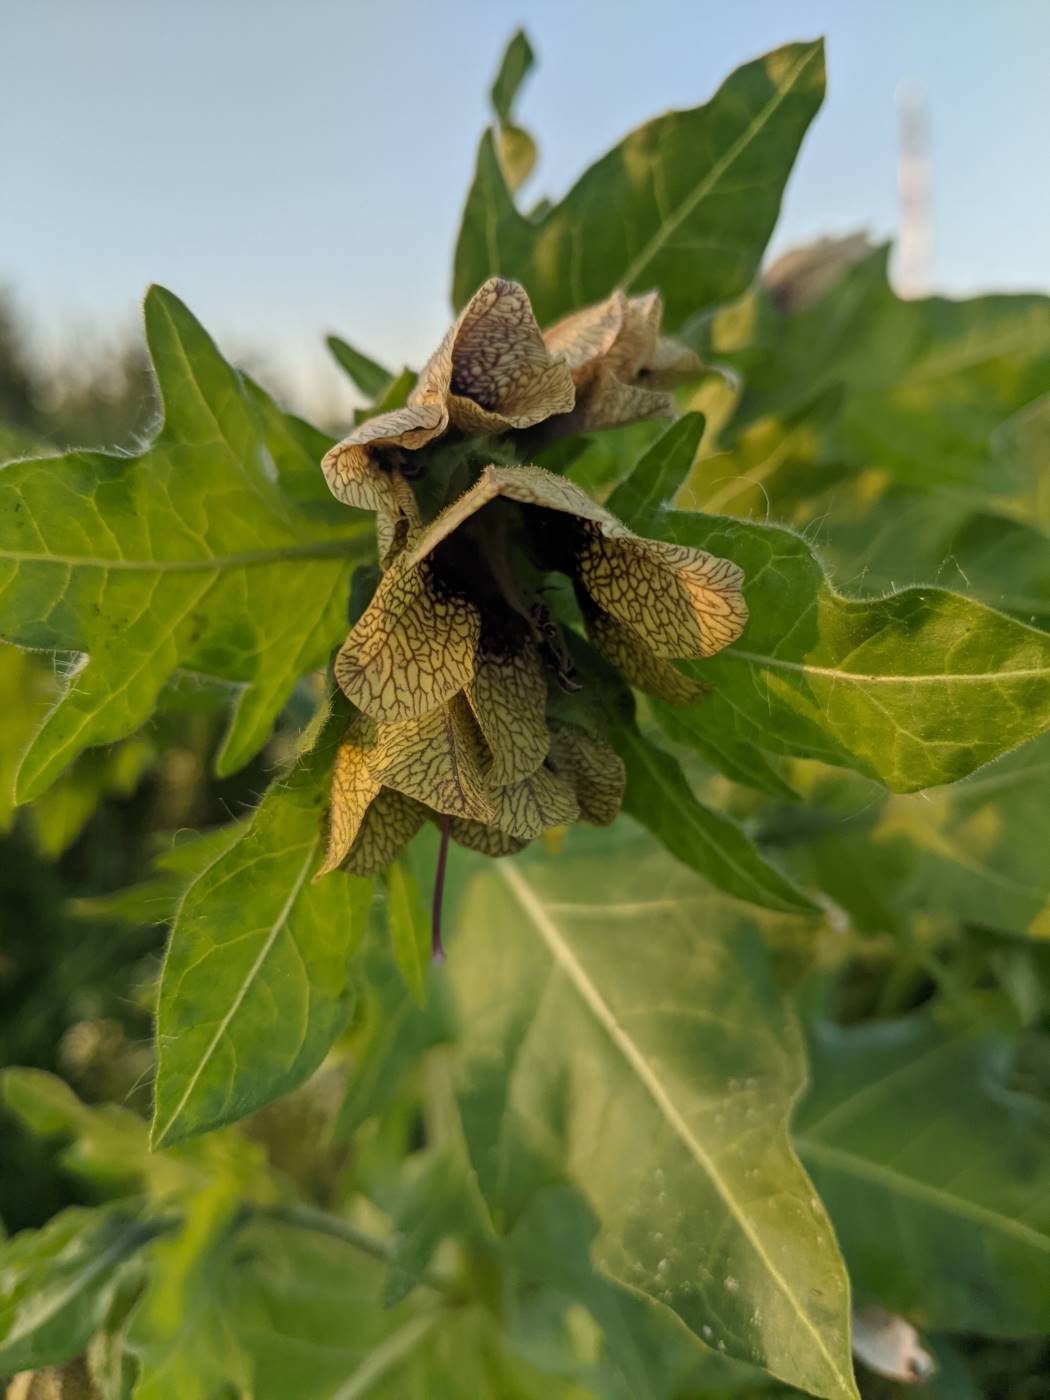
(409, 926)
(518, 60)
(934, 1173)
(879, 540)
(627, 1002)
(659, 796)
(180, 1331)
(56, 1284)
(254, 989)
(188, 555)
(685, 203)
(306, 1309)
(372, 379)
(915, 689)
(437, 1200)
(516, 148)
(926, 382)
(25, 686)
(154, 901)
(394, 1034)
(58, 815)
(976, 851)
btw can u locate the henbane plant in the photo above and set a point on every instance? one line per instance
(452, 662)
(618, 631)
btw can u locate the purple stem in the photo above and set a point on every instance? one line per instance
(437, 952)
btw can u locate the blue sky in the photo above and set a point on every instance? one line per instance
(293, 168)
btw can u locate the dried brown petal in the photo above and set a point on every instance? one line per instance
(412, 648)
(620, 362)
(585, 337)
(438, 759)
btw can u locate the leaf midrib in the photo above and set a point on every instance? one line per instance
(160, 1135)
(548, 931)
(861, 678)
(710, 182)
(863, 1168)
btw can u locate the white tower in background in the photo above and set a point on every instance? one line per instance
(915, 228)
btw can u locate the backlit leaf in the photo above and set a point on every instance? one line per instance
(654, 1066)
(685, 203)
(254, 989)
(915, 689)
(185, 556)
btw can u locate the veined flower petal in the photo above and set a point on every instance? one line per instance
(682, 602)
(389, 824)
(439, 760)
(352, 467)
(593, 768)
(508, 696)
(637, 663)
(540, 801)
(412, 648)
(493, 369)
(353, 790)
(486, 840)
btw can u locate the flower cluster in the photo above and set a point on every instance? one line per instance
(469, 710)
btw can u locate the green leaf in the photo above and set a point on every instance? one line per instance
(927, 383)
(57, 1284)
(518, 61)
(151, 563)
(915, 689)
(626, 1001)
(685, 203)
(307, 1311)
(659, 472)
(409, 926)
(394, 1035)
(154, 901)
(372, 379)
(933, 1172)
(975, 851)
(644, 495)
(254, 989)
(659, 796)
(26, 684)
(181, 1332)
(59, 815)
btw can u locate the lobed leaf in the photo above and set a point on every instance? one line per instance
(654, 1066)
(186, 556)
(685, 203)
(915, 689)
